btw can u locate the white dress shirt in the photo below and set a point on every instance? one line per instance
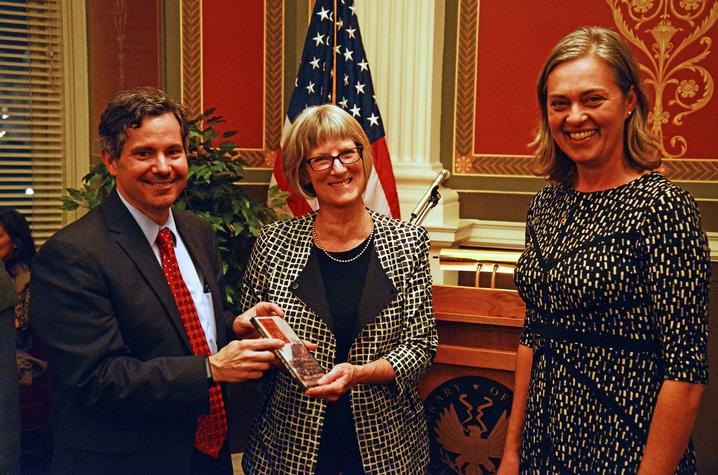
(202, 300)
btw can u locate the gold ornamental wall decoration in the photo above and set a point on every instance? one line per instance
(672, 36)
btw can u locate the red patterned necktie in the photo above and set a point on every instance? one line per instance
(212, 428)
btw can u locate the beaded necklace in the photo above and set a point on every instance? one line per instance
(336, 259)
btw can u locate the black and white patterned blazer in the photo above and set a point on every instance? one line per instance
(397, 323)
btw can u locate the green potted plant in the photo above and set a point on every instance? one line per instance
(211, 192)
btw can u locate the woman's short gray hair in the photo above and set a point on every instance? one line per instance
(314, 126)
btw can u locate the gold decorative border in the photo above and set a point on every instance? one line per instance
(192, 56)
(467, 163)
(192, 87)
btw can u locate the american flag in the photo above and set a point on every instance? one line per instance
(334, 69)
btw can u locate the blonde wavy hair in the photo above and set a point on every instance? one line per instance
(640, 146)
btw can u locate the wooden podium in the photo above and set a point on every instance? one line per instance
(467, 392)
(479, 332)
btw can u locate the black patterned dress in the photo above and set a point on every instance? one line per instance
(616, 290)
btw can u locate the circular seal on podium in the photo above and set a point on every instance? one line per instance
(467, 419)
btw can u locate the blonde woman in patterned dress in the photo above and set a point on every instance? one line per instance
(357, 283)
(612, 360)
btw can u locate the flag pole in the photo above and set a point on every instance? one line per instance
(334, 55)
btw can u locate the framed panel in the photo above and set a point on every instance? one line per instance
(501, 47)
(124, 52)
(232, 59)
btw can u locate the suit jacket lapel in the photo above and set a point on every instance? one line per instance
(130, 238)
(309, 288)
(379, 290)
(308, 285)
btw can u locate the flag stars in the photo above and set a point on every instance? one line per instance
(337, 49)
(346, 79)
(324, 14)
(363, 65)
(350, 32)
(373, 120)
(344, 103)
(348, 55)
(315, 63)
(318, 40)
(340, 24)
(355, 111)
(360, 87)
(310, 88)
(353, 9)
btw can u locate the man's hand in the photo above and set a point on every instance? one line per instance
(243, 360)
(243, 328)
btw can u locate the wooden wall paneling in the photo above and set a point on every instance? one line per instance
(124, 43)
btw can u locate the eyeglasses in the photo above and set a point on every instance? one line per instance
(324, 162)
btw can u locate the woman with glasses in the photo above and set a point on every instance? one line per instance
(358, 284)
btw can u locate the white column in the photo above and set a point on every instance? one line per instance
(76, 106)
(404, 43)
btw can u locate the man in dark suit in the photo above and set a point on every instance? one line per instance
(130, 303)
(9, 391)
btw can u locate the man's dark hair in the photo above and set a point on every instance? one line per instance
(17, 228)
(128, 109)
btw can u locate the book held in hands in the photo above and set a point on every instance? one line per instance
(294, 355)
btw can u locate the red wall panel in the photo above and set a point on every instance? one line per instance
(514, 40)
(233, 66)
(503, 45)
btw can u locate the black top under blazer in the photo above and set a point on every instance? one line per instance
(127, 389)
(396, 322)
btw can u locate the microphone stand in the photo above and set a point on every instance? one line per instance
(429, 200)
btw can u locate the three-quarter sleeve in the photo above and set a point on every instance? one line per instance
(418, 340)
(678, 274)
(527, 335)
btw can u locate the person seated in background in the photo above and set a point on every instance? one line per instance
(130, 303)
(615, 276)
(358, 284)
